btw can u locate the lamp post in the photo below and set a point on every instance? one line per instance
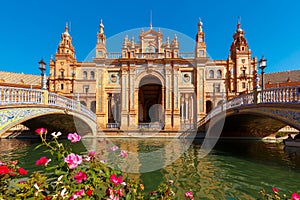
(262, 66)
(42, 67)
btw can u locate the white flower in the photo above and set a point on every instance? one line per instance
(64, 192)
(59, 180)
(87, 158)
(123, 183)
(37, 188)
(56, 135)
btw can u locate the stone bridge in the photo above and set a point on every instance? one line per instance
(256, 114)
(39, 108)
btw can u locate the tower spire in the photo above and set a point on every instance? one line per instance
(150, 19)
(200, 23)
(239, 23)
(67, 27)
(101, 26)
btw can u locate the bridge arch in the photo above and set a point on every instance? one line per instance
(256, 114)
(54, 119)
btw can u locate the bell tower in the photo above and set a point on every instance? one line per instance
(241, 67)
(200, 50)
(62, 68)
(101, 42)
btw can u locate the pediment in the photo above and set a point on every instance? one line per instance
(151, 33)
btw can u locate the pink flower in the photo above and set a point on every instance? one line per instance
(22, 182)
(43, 161)
(114, 148)
(113, 197)
(73, 160)
(77, 194)
(92, 153)
(74, 137)
(41, 131)
(120, 192)
(22, 171)
(189, 195)
(80, 176)
(275, 190)
(295, 196)
(124, 154)
(115, 180)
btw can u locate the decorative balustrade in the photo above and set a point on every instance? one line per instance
(15, 96)
(116, 55)
(11, 95)
(150, 125)
(272, 95)
(186, 54)
(112, 125)
(113, 55)
(149, 55)
(284, 95)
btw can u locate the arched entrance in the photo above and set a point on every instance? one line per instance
(150, 108)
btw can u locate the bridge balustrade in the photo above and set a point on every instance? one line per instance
(281, 95)
(11, 95)
(69, 104)
(17, 96)
(272, 95)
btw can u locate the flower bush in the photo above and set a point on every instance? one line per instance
(67, 175)
(277, 196)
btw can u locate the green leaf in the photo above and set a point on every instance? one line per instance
(128, 196)
(38, 146)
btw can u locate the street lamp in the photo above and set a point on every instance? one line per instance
(42, 67)
(262, 66)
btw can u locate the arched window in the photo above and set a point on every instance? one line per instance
(92, 75)
(219, 74)
(211, 74)
(84, 75)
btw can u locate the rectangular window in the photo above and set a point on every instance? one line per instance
(243, 85)
(201, 53)
(86, 89)
(244, 73)
(217, 87)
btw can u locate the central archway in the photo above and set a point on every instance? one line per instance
(150, 98)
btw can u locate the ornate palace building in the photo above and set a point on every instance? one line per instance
(151, 83)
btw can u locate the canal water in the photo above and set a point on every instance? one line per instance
(233, 169)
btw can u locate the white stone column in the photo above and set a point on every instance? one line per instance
(200, 92)
(124, 100)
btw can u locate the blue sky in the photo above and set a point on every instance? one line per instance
(31, 29)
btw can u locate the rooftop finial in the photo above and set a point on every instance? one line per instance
(150, 19)
(200, 23)
(101, 27)
(67, 27)
(239, 23)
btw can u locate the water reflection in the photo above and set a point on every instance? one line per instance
(143, 155)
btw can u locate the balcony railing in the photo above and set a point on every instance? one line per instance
(187, 55)
(117, 55)
(148, 126)
(112, 125)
